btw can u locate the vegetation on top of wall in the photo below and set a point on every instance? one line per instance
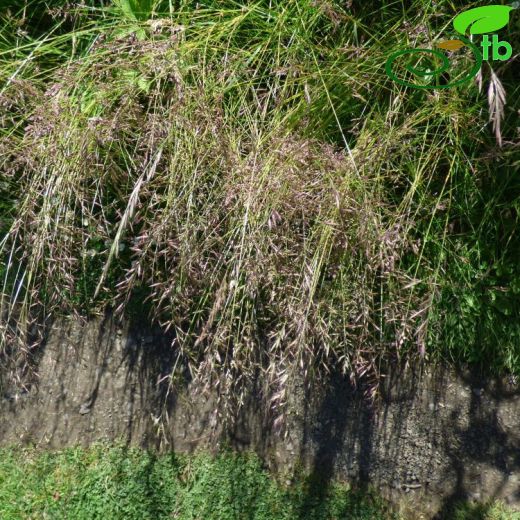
(249, 171)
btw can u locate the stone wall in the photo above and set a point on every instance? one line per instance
(433, 438)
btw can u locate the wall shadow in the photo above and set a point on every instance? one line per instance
(430, 433)
(484, 441)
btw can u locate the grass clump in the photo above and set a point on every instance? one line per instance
(494, 510)
(250, 171)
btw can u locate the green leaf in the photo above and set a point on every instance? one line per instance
(137, 80)
(482, 20)
(502, 303)
(143, 84)
(470, 301)
(138, 31)
(126, 8)
(135, 9)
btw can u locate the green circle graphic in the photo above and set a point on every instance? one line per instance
(438, 71)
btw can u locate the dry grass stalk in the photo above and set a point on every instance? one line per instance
(264, 251)
(496, 103)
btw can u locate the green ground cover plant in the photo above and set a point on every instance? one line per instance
(491, 511)
(248, 170)
(114, 481)
(127, 483)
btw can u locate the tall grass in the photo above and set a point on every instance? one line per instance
(248, 170)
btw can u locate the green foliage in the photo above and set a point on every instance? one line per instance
(123, 483)
(117, 482)
(133, 11)
(490, 511)
(475, 313)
